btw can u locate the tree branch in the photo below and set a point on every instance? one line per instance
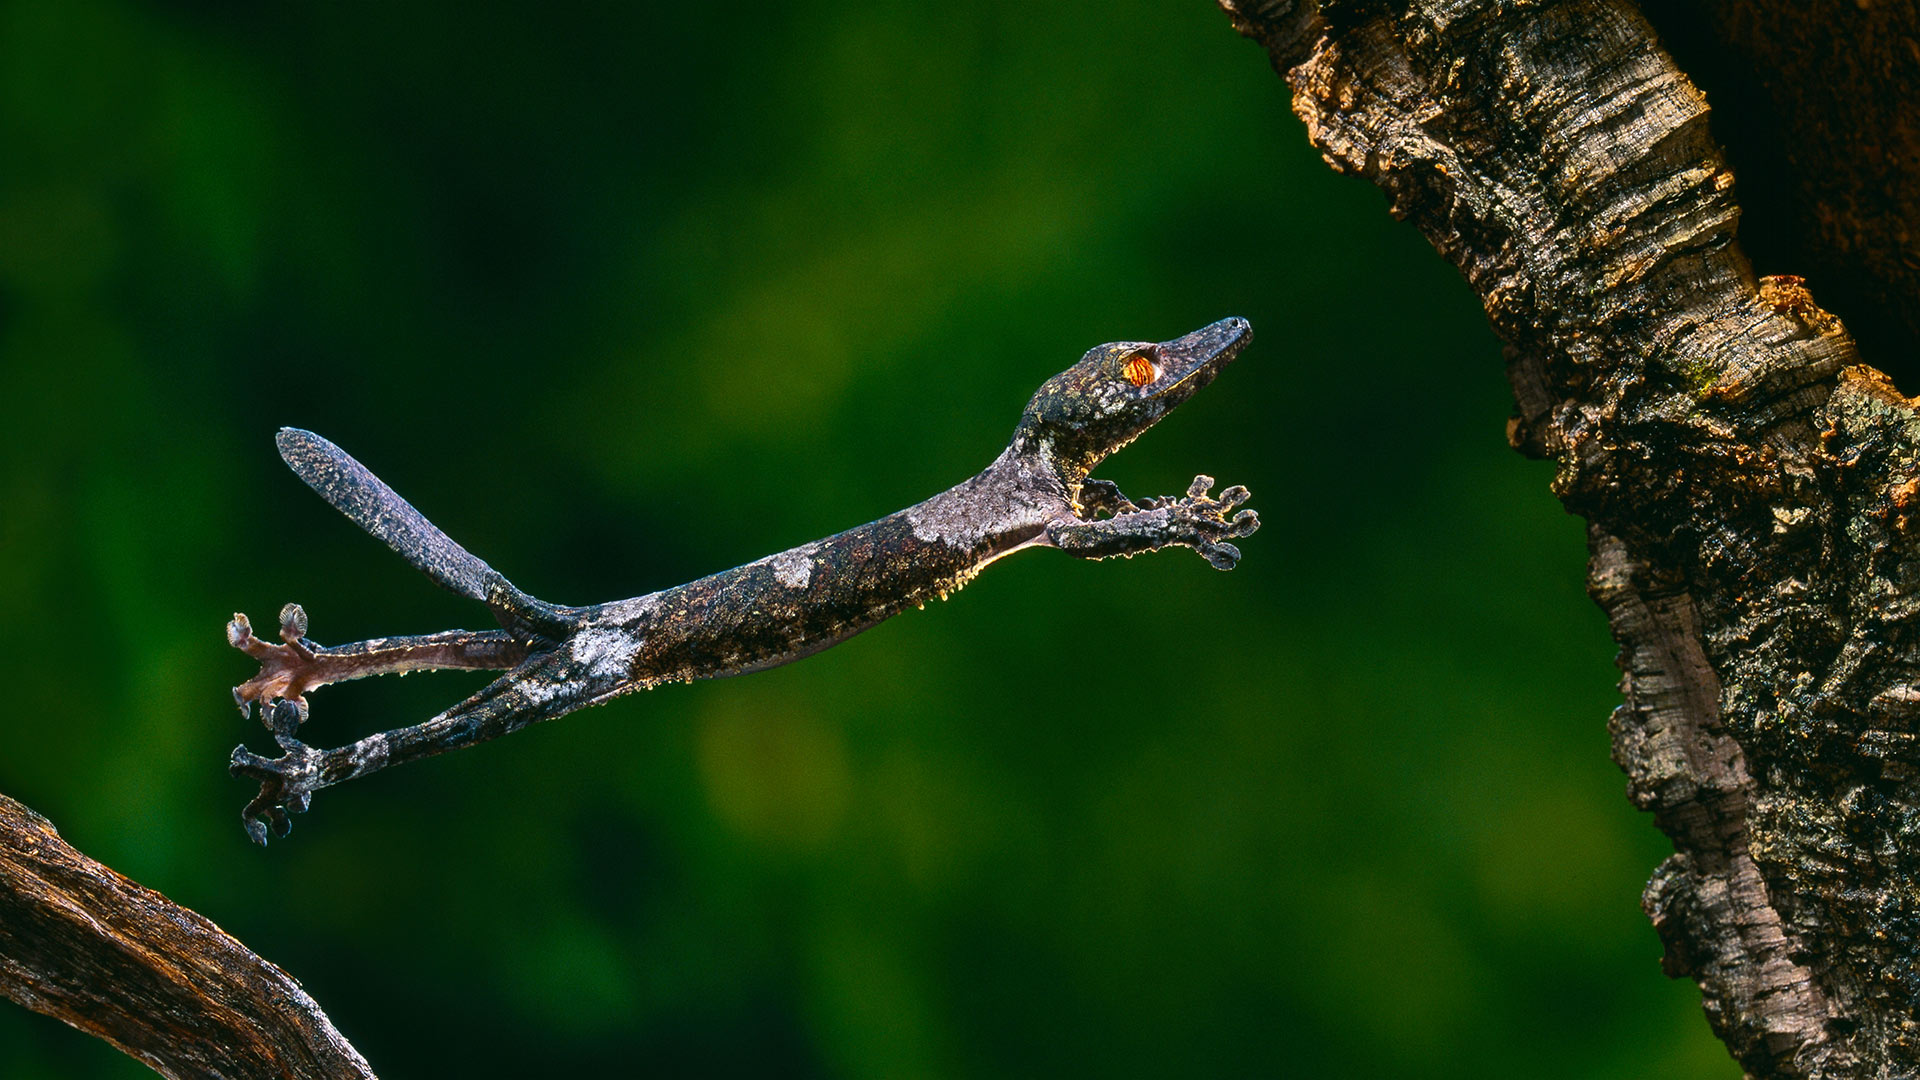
(85, 945)
(1747, 483)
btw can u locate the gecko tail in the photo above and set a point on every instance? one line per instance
(371, 504)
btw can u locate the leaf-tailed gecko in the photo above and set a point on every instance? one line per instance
(1037, 493)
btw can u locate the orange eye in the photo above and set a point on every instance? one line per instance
(1140, 371)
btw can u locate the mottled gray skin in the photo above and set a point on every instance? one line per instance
(1037, 493)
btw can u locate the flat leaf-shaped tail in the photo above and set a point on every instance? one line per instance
(377, 508)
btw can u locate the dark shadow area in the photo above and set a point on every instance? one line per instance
(1801, 182)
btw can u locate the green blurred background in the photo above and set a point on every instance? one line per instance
(625, 294)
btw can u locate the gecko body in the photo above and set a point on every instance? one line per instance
(1037, 493)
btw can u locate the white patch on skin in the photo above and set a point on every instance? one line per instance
(604, 653)
(1005, 497)
(535, 692)
(372, 752)
(794, 568)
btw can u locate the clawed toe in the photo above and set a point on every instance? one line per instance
(283, 718)
(1221, 556)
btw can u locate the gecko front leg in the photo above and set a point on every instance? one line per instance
(1196, 520)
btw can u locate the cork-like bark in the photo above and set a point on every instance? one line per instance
(85, 945)
(1821, 103)
(1752, 489)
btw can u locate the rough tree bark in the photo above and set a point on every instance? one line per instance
(1819, 102)
(1752, 490)
(163, 984)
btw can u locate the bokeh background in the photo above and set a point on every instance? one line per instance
(625, 294)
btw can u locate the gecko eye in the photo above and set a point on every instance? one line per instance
(1140, 371)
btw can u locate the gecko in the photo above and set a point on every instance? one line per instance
(1039, 492)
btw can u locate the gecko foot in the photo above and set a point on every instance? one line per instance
(1196, 520)
(287, 782)
(1212, 521)
(287, 671)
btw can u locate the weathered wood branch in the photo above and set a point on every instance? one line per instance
(85, 945)
(1753, 491)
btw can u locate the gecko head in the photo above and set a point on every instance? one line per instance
(1119, 390)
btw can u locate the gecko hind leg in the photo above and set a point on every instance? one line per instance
(289, 669)
(544, 685)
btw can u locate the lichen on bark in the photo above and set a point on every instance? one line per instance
(1749, 484)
